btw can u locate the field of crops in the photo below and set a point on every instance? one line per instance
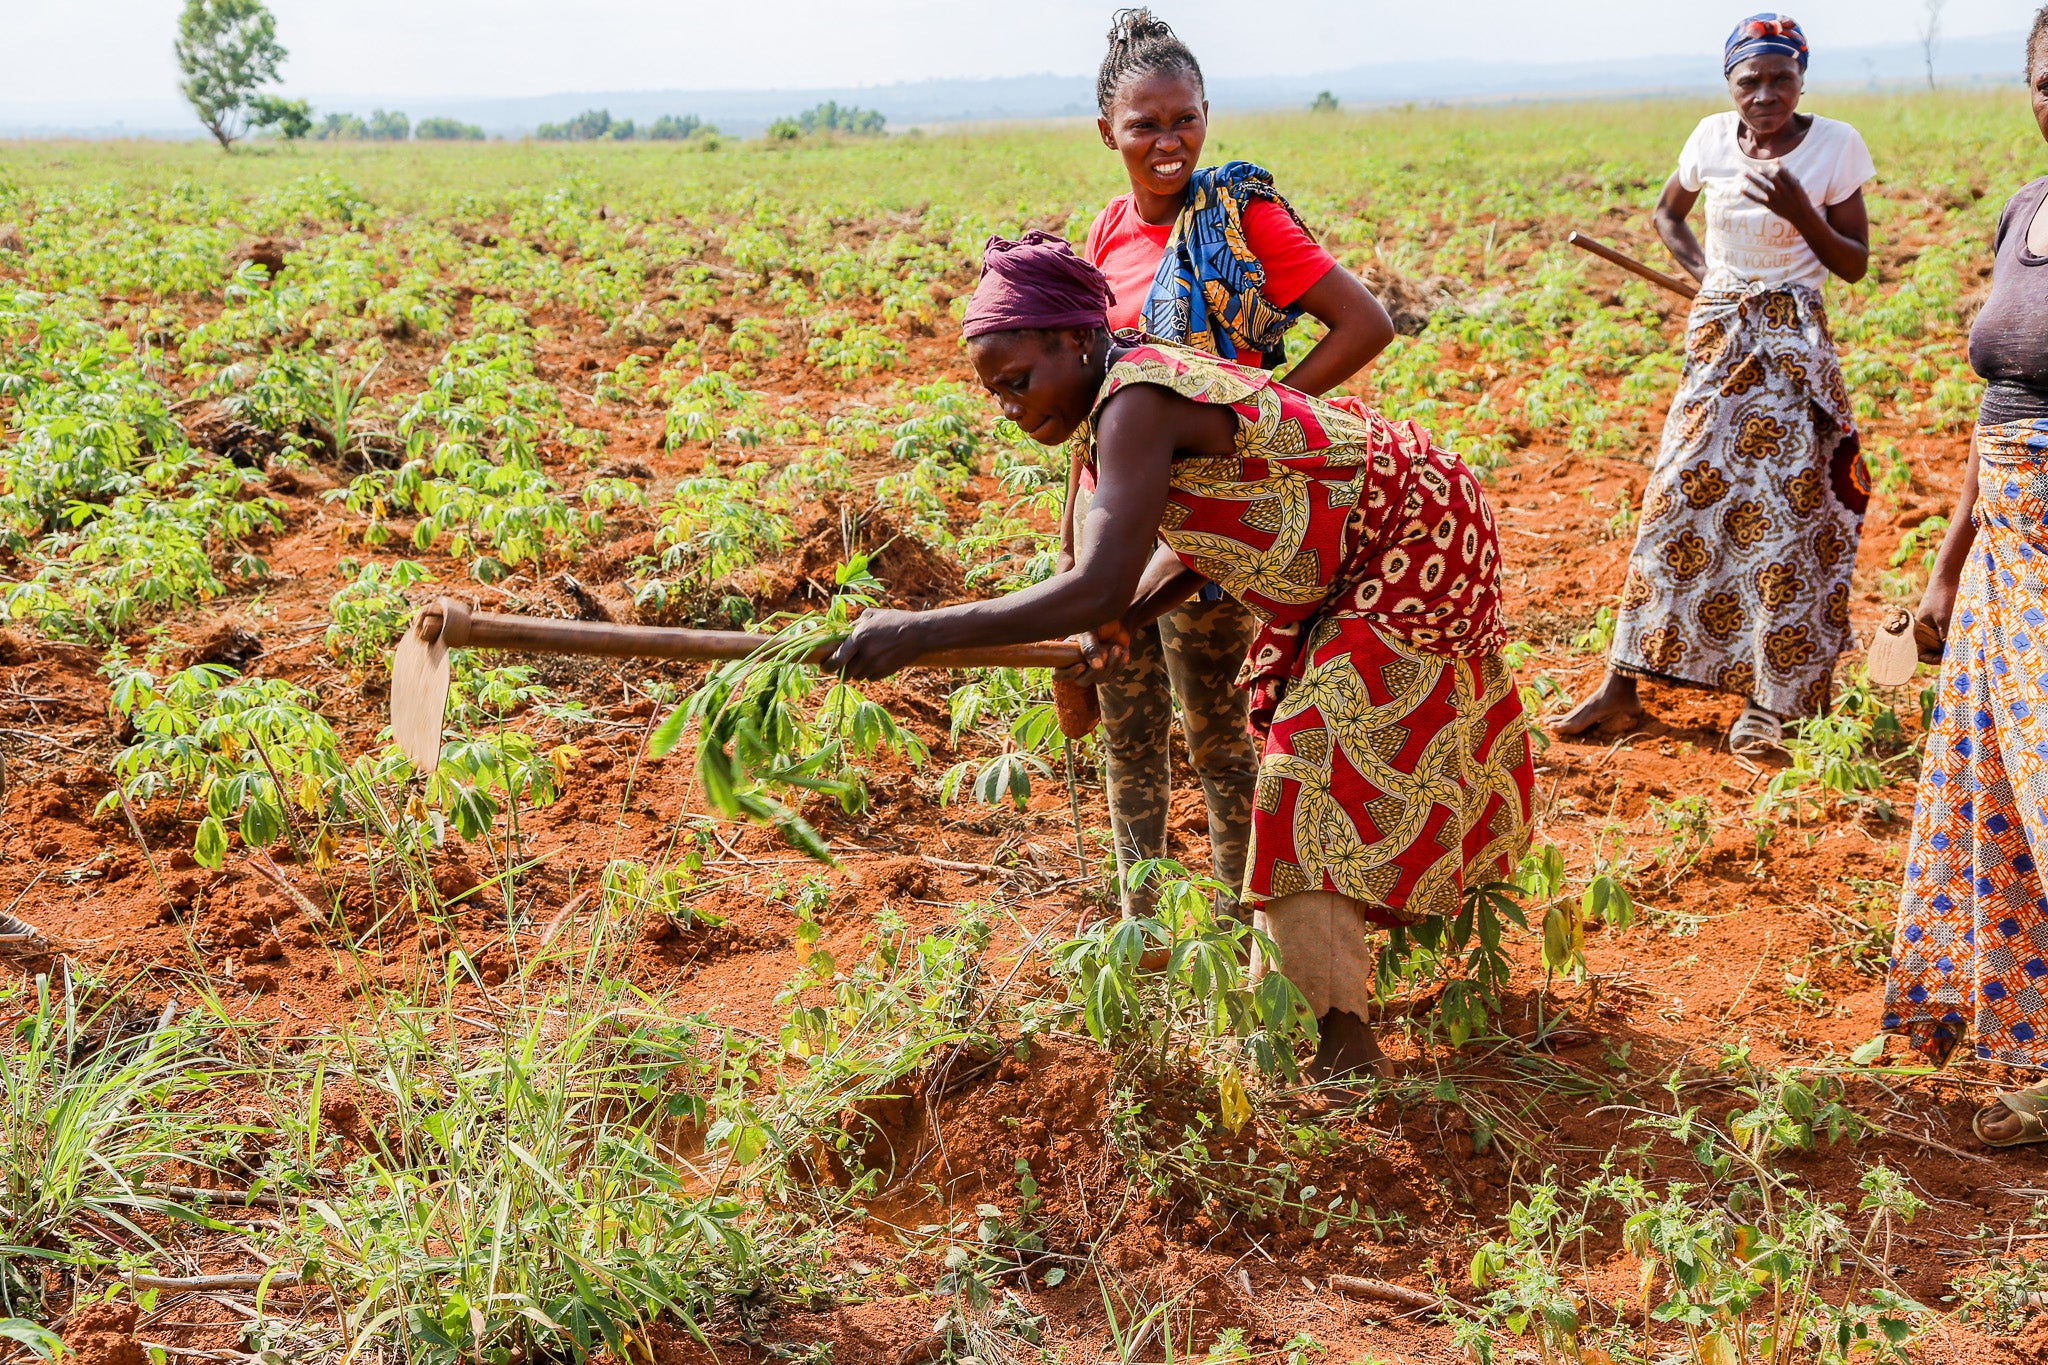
(552, 1054)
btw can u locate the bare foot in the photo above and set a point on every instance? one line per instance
(1612, 707)
(1346, 1049)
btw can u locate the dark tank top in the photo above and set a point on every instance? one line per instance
(2009, 341)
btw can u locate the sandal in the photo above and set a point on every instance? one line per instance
(2028, 1106)
(1755, 731)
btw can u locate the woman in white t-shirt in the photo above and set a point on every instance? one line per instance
(1739, 581)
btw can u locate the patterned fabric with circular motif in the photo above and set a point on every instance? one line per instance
(1739, 581)
(1397, 766)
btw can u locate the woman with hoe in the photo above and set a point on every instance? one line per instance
(1971, 951)
(1215, 259)
(1739, 580)
(1396, 766)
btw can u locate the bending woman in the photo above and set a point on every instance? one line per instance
(1972, 944)
(1396, 764)
(1216, 259)
(1739, 580)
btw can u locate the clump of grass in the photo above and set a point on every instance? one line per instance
(548, 1187)
(92, 1099)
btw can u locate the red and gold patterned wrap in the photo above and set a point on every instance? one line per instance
(1396, 764)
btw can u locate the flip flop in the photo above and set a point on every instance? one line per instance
(2030, 1106)
(1754, 732)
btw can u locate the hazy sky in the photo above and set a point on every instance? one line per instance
(79, 50)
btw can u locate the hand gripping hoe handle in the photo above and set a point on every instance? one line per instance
(420, 672)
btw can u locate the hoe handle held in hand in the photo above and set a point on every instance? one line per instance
(1683, 288)
(420, 670)
(459, 627)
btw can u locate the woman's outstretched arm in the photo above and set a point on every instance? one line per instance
(1138, 432)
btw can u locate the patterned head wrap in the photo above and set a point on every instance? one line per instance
(1764, 33)
(1036, 282)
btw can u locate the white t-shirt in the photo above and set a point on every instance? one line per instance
(1746, 241)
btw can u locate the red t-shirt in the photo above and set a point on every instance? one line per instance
(1127, 249)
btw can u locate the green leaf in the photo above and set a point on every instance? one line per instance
(747, 1144)
(474, 810)
(36, 1337)
(262, 822)
(210, 845)
(1869, 1052)
(668, 734)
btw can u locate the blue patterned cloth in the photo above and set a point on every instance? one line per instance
(1970, 956)
(1764, 33)
(1207, 293)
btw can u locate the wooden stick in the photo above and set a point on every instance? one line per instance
(1414, 1300)
(1683, 288)
(283, 1279)
(199, 1194)
(461, 628)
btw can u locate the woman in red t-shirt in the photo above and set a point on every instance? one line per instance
(1155, 114)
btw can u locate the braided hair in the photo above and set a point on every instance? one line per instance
(1141, 45)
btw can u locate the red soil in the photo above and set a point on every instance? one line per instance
(140, 908)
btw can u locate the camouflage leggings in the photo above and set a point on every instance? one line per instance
(1197, 649)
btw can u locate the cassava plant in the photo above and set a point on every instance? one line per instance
(753, 736)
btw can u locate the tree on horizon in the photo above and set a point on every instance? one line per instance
(228, 50)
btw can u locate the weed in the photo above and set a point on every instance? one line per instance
(91, 1099)
(1174, 984)
(1598, 636)
(1688, 826)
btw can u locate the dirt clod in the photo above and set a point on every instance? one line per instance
(104, 1334)
(267, 252)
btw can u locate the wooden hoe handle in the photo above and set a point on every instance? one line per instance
(461, 628)
(1682, 288)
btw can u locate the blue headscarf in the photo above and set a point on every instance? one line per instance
(1764, 33)
(1207, 291)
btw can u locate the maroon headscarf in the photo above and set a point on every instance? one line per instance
(1036, 282)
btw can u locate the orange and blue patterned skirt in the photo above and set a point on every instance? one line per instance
(1971, 952)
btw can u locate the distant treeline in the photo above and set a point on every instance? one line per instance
(594, 124)
(829, 117)
(597, 125)
(389, 125)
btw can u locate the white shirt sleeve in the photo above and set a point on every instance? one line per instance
(1853, 168)
(1690, 175)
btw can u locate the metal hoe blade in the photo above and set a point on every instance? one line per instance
(419, 692)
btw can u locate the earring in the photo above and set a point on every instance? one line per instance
(1086, 358)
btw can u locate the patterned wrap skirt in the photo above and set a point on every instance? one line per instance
(1391, 776)
(1739, 580)
(1971, 951)
(1396, 767)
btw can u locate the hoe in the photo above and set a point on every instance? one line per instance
(419, 670)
